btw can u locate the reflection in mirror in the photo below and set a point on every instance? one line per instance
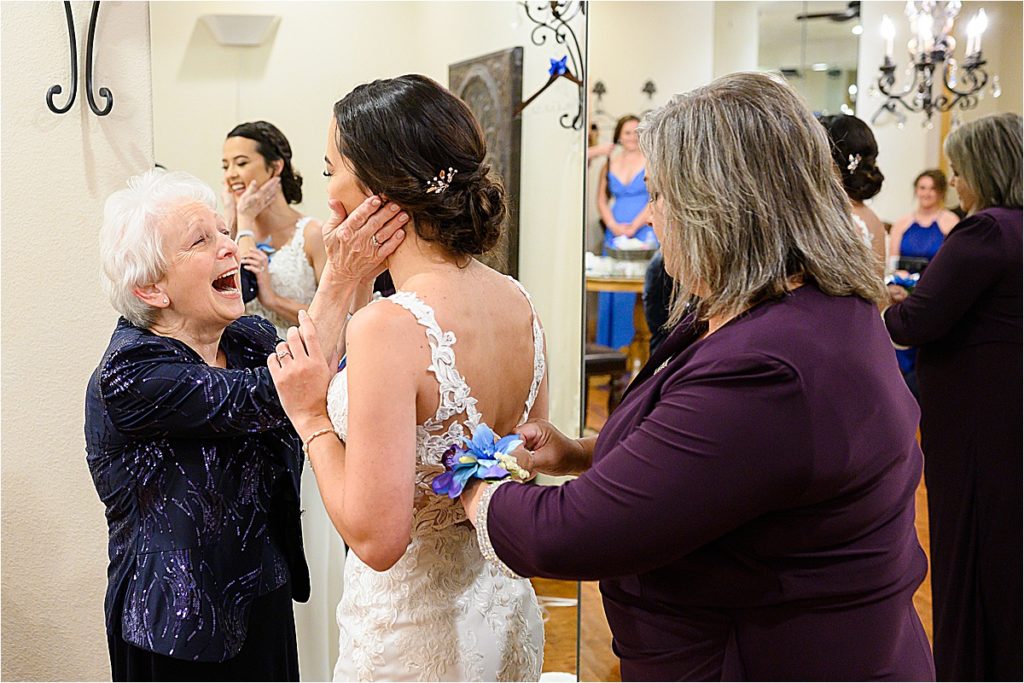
(640, 54)
(817, 55)
(211, 74)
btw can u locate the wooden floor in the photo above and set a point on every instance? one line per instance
(597, 662)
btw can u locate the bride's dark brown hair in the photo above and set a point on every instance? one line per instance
(397, 134)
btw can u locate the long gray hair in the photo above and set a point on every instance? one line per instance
(750, 198)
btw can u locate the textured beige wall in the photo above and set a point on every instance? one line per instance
(631, 41)
(57, 170)
(317, 53)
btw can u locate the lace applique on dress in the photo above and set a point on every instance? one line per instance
(291, 276)
(441, 612)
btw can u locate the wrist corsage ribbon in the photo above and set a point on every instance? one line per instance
(908, 281)
(485, 456)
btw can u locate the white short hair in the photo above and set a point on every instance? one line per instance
(131, 243)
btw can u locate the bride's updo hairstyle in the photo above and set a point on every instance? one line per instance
(399, 134)
(855, 152)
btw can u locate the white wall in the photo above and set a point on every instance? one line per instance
(632, 42)
(903, 153)
(57, 171)
(318, 53)
(737, 37)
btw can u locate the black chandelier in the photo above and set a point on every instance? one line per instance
(931, 49)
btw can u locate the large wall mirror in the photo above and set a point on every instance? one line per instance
(814, 45)
(640, 55)
(303, 57)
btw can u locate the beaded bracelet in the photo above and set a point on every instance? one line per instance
(319, 432)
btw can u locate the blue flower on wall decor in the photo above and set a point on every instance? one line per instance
(558, 66)
(485, 456)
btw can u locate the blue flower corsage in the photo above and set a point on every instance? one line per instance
(267, 249)
(908, 282)
(558, 66)
(483, 457)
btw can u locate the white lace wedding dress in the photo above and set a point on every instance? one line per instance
(442, 612)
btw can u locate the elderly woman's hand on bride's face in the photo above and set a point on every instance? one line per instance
(359, 243)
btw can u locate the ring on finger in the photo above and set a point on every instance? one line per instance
(283, 353)
(374, 241)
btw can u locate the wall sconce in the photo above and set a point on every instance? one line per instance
(240, 30)
(650, 89)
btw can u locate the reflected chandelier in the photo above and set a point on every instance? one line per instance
(931, 48)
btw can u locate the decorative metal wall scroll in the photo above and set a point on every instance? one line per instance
(57, 89)
(90, 43)
(554, 17)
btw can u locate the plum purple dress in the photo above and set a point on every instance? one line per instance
(750, 508)
(965, 318)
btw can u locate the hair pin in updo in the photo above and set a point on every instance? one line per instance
(441, 181)
(854, 160)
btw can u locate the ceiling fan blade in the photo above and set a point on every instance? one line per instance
(852, 12)
(833, 16)
(820, 15)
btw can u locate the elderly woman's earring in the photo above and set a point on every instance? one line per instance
(166, 301)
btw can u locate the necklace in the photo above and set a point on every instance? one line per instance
(662, 366)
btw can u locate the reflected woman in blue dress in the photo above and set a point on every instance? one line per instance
(913, 242)
(623, 204)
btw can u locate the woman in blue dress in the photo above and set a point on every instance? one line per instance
(623, 204)
(915, 239)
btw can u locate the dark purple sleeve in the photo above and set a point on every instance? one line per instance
(966, 265)
(712, 454)
(149, 390)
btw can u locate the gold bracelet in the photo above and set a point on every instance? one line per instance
(319, 432)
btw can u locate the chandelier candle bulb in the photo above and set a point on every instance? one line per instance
(924, 34)
(888, 31)
(982, 19)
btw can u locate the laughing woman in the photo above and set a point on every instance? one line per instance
(187, 443)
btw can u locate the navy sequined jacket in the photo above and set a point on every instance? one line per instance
(199, 470)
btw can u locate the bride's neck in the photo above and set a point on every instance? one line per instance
(276, 220)
(417, 257)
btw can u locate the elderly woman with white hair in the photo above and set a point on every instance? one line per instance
(964, 316)
(187, 442)
(749, 505)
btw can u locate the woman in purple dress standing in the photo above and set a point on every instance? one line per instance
(965, 318)
(749, 506)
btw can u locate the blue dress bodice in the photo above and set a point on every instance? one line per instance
(921, 241)
(629, 200)
(918, 246)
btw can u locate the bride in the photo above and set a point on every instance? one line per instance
(459, 345)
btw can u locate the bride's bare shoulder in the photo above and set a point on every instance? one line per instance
(384, 325)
